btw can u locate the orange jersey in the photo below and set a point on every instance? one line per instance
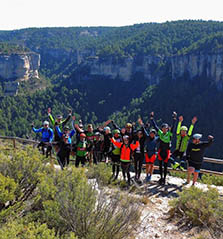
(125, 151)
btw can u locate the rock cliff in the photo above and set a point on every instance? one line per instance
(125, 68)
(19, 67)
(209, 65)
(153, 68)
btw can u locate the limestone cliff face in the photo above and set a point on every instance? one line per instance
(153, 68)
(19, 66)
(125, 68)
(209, 65)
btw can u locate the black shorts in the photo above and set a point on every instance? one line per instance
(115, 158)
(196, 166)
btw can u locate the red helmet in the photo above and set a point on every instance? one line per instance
(83, 135)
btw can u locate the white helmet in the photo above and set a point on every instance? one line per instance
(45, 123)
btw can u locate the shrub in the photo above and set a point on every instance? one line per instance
(16, 229)
(21, 172)
(7, 190)
(101, 172)
(72, 204)
(199, 208)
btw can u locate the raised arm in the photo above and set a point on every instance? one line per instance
(145, 133)
(153, 121)
(67, 119)
(117, 144)
(51, 117)
(115, 125)
(179, 124)
(193, 121)
(174, 115)
(134, 146)
(209, 142)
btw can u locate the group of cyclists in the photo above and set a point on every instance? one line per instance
(125, 147)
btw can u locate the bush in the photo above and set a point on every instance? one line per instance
(206, 178)
(21, 172)
(7, 190)
(101, 172)
(199, 208)
(212, 180)
(72, 204)
(16, 229)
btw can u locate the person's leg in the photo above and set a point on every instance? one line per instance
(94, 157)
(136, 159)
(117, 165)
(161, 170)
(141, 158)
(128, 172)
(190, 170)
(117, 170)
(195, 177)
(166, 164)
(147, 166)
(151, 164)
(165, 172)
(68, 149)
(77, 162)
(151, 167)
(160, 166)
(83, 160)
(123, 170)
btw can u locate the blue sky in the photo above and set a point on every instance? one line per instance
(17, 14)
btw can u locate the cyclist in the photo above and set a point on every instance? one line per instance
(194, 154)
(183, 137)
(46, 139)
(165, 136)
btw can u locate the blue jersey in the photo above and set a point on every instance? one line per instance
(150, 143)
(47, 134)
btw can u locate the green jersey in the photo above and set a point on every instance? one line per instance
(82, 149)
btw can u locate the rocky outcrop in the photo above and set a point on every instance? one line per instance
(209, 65)
(19, 67)
(125, 68)
(153, 68)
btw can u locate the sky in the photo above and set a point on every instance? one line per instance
(17, 14)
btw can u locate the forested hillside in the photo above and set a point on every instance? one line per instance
(65, 51)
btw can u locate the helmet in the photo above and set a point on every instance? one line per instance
(97, 134)
(165, 125)
(107, 128)
(66, 128)
(125, 137)
(116, 131)
(152, 131)
(128, 125)
(197, 136)
(59, 117)
(45, 122)
(184, 128)
(83, 135)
